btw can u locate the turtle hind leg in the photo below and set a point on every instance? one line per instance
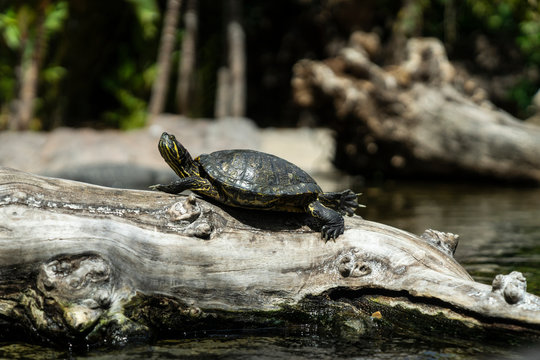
(345, 202)
(332, 222)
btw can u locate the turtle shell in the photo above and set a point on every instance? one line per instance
(257, 173)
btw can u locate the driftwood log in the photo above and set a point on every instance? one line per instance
(86, 264)
(421, 117)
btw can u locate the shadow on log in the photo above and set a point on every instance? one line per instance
(84, 264)
(417, 118)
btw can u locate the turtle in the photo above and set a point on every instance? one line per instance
(255, 180)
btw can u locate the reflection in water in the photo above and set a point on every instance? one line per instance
(499, 227)
(263, 347)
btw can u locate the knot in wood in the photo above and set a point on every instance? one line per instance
(445, 241)
(82, 279)
(186, 210)
(200, 229)
(350, 265)
(513, 287)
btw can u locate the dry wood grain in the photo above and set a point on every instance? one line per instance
(74, 253)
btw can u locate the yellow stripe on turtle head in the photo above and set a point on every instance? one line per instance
(176, 156)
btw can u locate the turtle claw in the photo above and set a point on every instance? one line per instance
(332, 222)
(349, 202)
(345, 202)
(332, 230)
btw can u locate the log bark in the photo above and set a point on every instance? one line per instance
(89, 264)
(420, 117)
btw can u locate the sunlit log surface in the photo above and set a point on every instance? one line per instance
(417, 118)
(89, 264)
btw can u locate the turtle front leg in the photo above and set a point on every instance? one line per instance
(197, 184)
(332, 222)
(346, 202)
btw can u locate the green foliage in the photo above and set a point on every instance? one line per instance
(20, 28)
(53, 74)
(518, 18)
(131, 82)
(11, 35)
(529, 39)
(522, 94)
(56, 15)
(66, 71)
(497, 15)
(129, 87)
(512, 26)
(10, 29)
(7, 80)
(147, 13)
(18, 23)
(100, 59)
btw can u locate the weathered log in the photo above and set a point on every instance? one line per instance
(89, 264)
(420, 117)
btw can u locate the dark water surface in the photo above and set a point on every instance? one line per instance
(286, 347)
(500, 233)
(499, 227)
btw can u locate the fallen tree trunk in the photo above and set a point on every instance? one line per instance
(88, 264)
(417, 118)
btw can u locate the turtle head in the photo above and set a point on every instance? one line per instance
(176, 155)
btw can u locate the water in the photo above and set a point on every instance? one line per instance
(500, 233)
(499, 227)
(250, 347)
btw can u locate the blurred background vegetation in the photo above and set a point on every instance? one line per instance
(93, 62)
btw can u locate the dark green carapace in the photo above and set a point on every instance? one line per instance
(255, 180)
